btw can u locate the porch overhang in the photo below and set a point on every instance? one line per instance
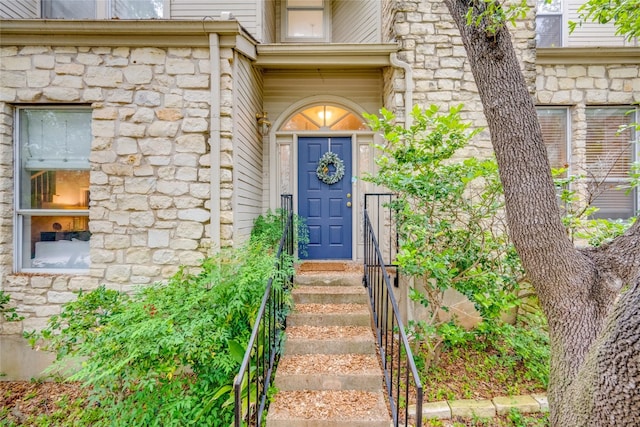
(133, 33)
(301, 56)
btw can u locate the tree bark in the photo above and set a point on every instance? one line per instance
(576, 288)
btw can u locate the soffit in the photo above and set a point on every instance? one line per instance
(300, 56)
(587, 55)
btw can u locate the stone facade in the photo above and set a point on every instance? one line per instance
(150, 163)
(430, 43)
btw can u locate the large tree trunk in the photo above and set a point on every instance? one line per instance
(577, 288)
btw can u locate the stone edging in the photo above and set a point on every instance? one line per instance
(484, 408)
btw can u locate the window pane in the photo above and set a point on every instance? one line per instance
(609, 155)
(138, 9)
(55, 139)
(613, 202)
(552, 6)
(609, 151)
(553, 122)
(305, 23)
(59, 242)
(55, 189)
(68, 9)
(549, 30)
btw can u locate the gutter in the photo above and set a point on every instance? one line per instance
(214, 143)
(408, 88)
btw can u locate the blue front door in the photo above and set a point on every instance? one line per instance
(325, 207)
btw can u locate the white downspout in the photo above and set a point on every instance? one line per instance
(408, 88)
(214, 142)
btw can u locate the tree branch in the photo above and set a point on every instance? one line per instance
(619, 260)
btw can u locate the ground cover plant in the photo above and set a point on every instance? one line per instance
(162, 356)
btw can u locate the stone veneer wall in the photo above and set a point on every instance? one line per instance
(430, 42)
(150, 174)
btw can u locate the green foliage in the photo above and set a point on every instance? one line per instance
(168, 354)
(9, 314)
(625, 15)
(449, 222)
(493, 15)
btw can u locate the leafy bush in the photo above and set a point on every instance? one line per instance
(450, 223)
(159, 357)
(7, 313)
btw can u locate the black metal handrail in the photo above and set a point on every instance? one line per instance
(265, 345)
(400, 372)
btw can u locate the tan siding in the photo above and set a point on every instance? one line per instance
(355, 21)
(284, 87)
(247, 150)
(269, 21)
(243, 10)
(590, 33)
(23, 9)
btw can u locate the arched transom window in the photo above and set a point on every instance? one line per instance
(324, 117)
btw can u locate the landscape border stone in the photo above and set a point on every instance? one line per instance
(485, 408)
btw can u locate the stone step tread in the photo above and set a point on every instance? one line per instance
(330, 280)
(335, 407)
(347, 308)
(323, 333)
(329, 364)
(337, 290)
(328, 266)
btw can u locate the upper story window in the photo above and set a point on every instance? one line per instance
(305, 20)
(549, 23)
(103, 9)
(52, 166)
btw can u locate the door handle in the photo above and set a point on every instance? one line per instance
(348, 195)
(348, 204)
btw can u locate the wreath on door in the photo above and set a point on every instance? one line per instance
(322, 171)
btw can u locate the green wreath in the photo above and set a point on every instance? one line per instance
(330, 158)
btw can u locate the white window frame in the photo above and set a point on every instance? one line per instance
(104, 9)
(564, 24)
(326, 23)
(20, 213)
(635, 156)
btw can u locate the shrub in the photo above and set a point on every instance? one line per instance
(159, 357)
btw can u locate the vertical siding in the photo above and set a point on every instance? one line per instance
(23, 9)
(590, 33)
(355, 21)
(244, 11)
(247, 149)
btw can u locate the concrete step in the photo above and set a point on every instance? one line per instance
(330, 315)
(329, 372)
(329, 340)
(329, 295)
(329, 279)
(328, 408)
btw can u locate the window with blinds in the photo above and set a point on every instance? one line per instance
(52, 202)
(610, 150)
(555, 133)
